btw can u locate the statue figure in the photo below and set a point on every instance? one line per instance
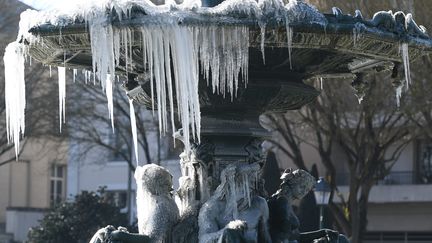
(157, 211)
(283, 223)
(235, 213)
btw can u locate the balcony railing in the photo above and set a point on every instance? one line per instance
(398, 237)
(394, 178)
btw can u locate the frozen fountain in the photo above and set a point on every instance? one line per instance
(210, 71)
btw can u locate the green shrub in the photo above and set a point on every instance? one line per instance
(77, 221)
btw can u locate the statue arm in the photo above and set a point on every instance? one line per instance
(126, 237)
(208, 228)
(308, 237)
(110, 234)
(209, 231)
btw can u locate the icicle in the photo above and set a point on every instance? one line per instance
(50, 71)
(231, 206)
(321, 83)
(398, 94)
(134, 129)
(202, 175)
(225, 54)
(405, 58)
(62, 95)
(263, 27)
(109, 94)
(247, 186)
(15, 92)
(103, 58)
(74, 74)
(289, 31)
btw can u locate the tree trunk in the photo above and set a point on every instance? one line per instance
(359, 209)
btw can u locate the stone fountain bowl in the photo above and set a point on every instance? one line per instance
(339, 46)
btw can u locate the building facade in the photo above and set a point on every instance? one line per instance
(31, 185)
(400, 205)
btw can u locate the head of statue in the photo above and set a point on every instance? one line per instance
(298, 182)
(247, 177)
(153, 179)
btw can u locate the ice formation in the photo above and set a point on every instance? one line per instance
(75, 72)
(405, 59)
(398, 94)
(134, 129)
(62, 95)
(104, 62)
(15, 101)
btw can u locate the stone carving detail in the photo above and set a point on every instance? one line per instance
(291, 97)
(197, 172)
(360, 87)
(256, 153)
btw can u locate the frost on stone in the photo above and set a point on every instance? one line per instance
(357, 32)
(157, 212)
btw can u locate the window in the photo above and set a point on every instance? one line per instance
(57, 183)
(424, 161)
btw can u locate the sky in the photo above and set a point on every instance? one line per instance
(45, 4)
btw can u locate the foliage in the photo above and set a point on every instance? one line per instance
(77, 221)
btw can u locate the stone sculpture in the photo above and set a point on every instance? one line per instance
(284, 224)
(236, 212)
(156, 209)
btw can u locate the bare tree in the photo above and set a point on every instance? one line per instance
(90, 125)
(371, 136)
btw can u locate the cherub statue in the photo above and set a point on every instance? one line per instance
(157, 211)
(235, 213)
(283, 223)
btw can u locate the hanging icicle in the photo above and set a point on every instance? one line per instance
(188, 49)
(134, 129)
(405, 58)
(290, 34)
(102, 47)
(15, 92)
(62, 95)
